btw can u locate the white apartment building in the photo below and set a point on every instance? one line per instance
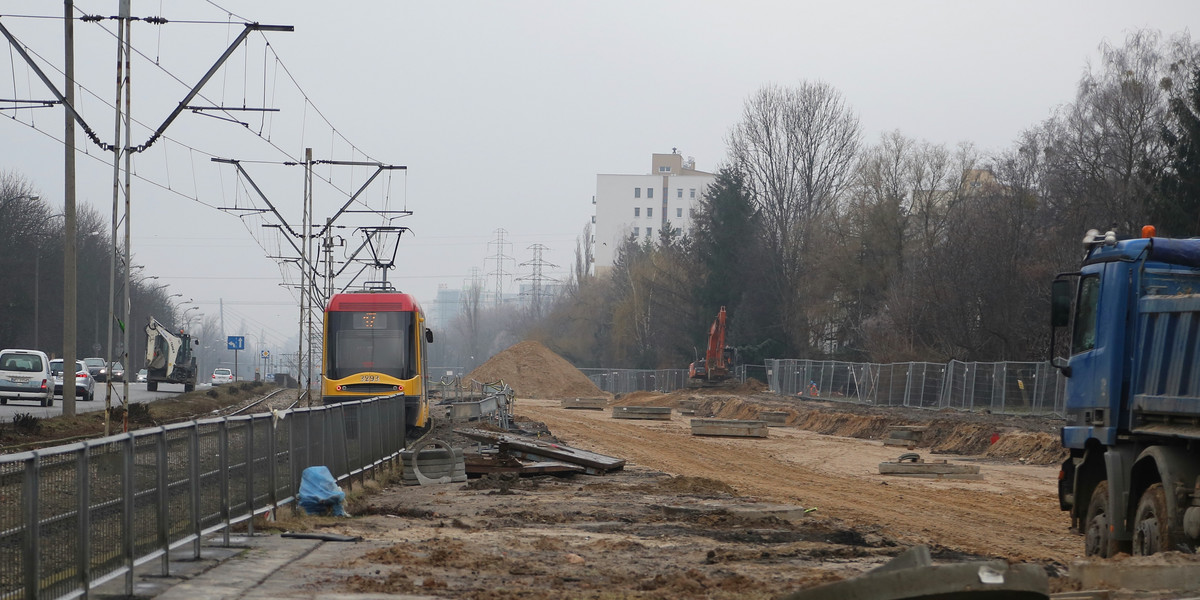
(642, 205)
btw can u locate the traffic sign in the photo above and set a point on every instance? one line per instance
(235, 342)
(266, 354)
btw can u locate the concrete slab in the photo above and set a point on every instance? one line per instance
(729, 428)
(926, 468)
(655, 413)
(774, 418)
(1170, 571)
(584, 403)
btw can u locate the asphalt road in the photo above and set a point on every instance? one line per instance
(137, 393)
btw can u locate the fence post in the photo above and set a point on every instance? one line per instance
(32, 550)
(163, 501)
(194, 467)
(272, 471)
(83, 554)
(127, 538)
(223, 473)
(249, 472)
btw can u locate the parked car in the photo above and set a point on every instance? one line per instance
(220, 376)
(95, 366)
(25, 375)
(85, 386)
(118, 372)
(141, 376)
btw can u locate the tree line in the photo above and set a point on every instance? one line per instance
(821, 245)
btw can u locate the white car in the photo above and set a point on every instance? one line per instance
(25, 375)
(85, 386)
(220, 376)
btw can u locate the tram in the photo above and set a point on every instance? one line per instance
(375, 345)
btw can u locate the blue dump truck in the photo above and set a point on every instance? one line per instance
(1132, 320)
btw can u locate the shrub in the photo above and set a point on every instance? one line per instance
(212, 393)
(27, 424)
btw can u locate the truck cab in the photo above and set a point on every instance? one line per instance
(1132, 393)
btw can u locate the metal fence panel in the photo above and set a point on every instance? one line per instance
(77, 515)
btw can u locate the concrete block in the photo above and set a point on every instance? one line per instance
(1166, 571)
(729, 428)
(933, 470)
(774, 418)
(585, 403)
(656, 413)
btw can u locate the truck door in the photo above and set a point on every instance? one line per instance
(1096, 373)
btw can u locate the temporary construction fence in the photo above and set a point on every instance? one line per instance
(1031, 388)
(78, 515)
(624, 381)
(1028, 388)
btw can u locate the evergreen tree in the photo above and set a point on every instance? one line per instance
(1176, 210)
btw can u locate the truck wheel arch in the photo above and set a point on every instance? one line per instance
(1172, 466)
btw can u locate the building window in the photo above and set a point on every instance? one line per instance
(692, 192)
(692, 213)
(649, 192)
(678, 213)
(637, 211)
(649, 211)
(636, 231)
(679, 193)
(593, 219)
(664, 169)
(637, 192)
(649, 232)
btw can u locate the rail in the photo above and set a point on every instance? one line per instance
(75, 516)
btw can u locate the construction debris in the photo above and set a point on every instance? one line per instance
(912, 465)
(536, 450)
(433, 462)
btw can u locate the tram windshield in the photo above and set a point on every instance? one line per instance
(375, 342)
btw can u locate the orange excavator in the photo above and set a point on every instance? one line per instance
(718, 358)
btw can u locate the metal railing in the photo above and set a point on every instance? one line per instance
(75, 516)
(1028, 388)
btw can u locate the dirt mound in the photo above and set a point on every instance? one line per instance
(1033, 448)
(534, 371)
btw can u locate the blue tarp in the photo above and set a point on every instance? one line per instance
(1176, 252)
(320, 494)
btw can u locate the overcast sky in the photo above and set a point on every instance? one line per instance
(503, 112)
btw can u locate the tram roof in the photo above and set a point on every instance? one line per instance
(363, 301)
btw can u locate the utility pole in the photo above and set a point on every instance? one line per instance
(122, 23)
(536, 278)
(69, 225)
(501, 258)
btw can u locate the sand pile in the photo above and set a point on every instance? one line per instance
(534, 371)
(1037, 448)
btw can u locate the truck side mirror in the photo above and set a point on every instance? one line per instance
(428, 335)
(1061, 293)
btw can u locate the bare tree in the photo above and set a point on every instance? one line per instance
(795, 147)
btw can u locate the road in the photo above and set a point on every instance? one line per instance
(137, 393)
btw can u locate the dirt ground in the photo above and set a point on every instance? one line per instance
(693, 517)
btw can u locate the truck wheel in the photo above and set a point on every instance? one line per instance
(1097, 535)
(1151, 523)
(151, 386)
